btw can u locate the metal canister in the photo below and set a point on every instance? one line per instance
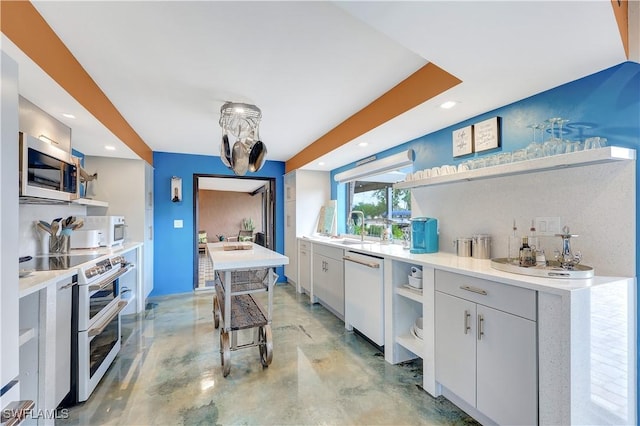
(481, 246)
(463, 246)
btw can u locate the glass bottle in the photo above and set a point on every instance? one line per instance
(526, 254)
(514, 245)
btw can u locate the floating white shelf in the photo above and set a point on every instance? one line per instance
(90, 202)
(574, 159)
(411, 343)
(410, 294)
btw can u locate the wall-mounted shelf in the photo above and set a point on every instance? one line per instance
(575, 159)
(90, 202)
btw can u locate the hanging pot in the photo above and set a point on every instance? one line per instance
(225, 151)
(256, 156)
(239, 159)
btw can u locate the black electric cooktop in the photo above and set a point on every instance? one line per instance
(57, 262)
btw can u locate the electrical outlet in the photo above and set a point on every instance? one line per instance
(548, 225)
(177, 223)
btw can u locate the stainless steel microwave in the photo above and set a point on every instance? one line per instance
(46, 171)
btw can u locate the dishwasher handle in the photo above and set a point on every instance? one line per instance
(362, 262)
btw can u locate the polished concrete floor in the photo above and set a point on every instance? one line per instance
(169, 372)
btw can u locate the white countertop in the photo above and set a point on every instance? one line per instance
(257, 257)
(38, 280)
(479, 268)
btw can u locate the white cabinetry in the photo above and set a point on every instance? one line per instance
(485, 346)
(63, 296)
(127, 185)
(328, 278)
(364, 295)
(9, 353)
(306, 192)
(304, 266)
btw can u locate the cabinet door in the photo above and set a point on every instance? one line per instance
(304, 262)
(320, 285)
(335, 282)
(291, 242)
(506, 377)
(455, 345)
(63, 339)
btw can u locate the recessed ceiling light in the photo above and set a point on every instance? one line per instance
(110, 147)
(66, 114)
(448, 105)
(363, 144)
(321, 163)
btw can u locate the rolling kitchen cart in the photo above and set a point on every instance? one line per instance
(241, 270)
(235, 308)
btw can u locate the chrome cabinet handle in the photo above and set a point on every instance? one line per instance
(66, 286)
(480, 326)
(467, 325)
(369, 264)
(474, 289)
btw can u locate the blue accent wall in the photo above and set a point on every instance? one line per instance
(174, 247)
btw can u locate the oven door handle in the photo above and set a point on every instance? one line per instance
(102, 284)
(99, 329)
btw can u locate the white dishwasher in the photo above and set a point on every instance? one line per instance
(364, 295)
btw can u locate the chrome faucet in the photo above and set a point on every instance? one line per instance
(362, 227)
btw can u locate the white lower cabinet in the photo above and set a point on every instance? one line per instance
(485, 346)
(328, 277)
(64, 305)
(304, 266)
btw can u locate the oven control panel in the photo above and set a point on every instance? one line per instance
(99, 269)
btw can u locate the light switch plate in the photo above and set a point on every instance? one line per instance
(548, 225)
(177, 223)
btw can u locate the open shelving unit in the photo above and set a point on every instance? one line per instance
(574, 159)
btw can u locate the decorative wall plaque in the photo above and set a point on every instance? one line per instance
(486, 134)
(463, 141)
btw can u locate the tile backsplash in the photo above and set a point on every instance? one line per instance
(30, 213)
(597, 202)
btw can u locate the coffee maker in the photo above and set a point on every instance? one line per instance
(424, 235)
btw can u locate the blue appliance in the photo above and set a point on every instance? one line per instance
(424, 235)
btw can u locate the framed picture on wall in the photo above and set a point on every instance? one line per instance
(486, 134)
(462, 141)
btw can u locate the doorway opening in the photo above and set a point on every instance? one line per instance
(229, 208)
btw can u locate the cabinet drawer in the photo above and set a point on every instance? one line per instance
(516, 300)
(332, 252)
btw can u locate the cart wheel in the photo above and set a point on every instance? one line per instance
(266, 345)
(225, 353)
(216, 312)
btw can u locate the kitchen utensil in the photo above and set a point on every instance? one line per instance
(481, 246)
(46, 226)
(55, 227)
(225, 151)
(256, 156)
(24, 259)
(463, 246)
(239, 159)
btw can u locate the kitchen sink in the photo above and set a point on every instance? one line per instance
(351, 242)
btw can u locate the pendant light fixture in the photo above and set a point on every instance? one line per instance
(241, 121)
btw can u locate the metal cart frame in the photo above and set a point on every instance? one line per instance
(239, 310)
(243, 269)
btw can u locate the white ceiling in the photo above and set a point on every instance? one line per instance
(168, 66)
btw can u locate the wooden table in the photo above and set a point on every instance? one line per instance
(241, 273)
